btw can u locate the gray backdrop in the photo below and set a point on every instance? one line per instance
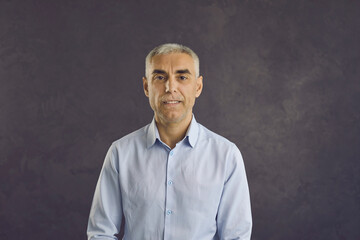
(281, 80)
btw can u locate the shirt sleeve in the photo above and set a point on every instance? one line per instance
(234, 219)
(106, 210)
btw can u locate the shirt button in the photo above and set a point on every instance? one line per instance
(170, 182)
(171, 153)
(168, 212)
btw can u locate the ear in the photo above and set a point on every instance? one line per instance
(199, 86)
(146, 86)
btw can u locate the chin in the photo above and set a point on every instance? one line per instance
(172, 118)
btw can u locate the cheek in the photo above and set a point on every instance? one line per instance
(156, 90)
(194, 92)
(154, 97)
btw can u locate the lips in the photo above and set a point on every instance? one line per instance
(171, 102)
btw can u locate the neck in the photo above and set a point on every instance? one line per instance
(172, 133)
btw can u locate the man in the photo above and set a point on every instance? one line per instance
(172, 179)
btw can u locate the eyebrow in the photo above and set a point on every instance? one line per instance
(157, 71)
(182, 71)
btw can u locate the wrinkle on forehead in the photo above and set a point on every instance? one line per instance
(173, 63)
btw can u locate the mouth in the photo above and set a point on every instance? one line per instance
(171, 102)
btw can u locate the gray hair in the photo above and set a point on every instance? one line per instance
(171, 48)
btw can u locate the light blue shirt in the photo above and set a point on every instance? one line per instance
(195, 191)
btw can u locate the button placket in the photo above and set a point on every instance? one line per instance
(169, 202)
(169, 187)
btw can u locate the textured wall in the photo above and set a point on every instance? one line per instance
(281, 81)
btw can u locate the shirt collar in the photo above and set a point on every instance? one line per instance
(191, 134)
(152, 134)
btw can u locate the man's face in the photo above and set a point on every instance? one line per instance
(172, 87)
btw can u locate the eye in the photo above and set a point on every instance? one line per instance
(182, 77)
(159, 77)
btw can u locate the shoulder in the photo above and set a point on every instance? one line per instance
(220, 149)
(127, 146)
(131, 139)
(219, 146)
(210, 137)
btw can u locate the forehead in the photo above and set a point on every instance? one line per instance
(172, 62)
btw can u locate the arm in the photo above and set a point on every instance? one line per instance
(234, 219)
(106, 210)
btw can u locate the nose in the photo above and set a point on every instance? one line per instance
(170, 85)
